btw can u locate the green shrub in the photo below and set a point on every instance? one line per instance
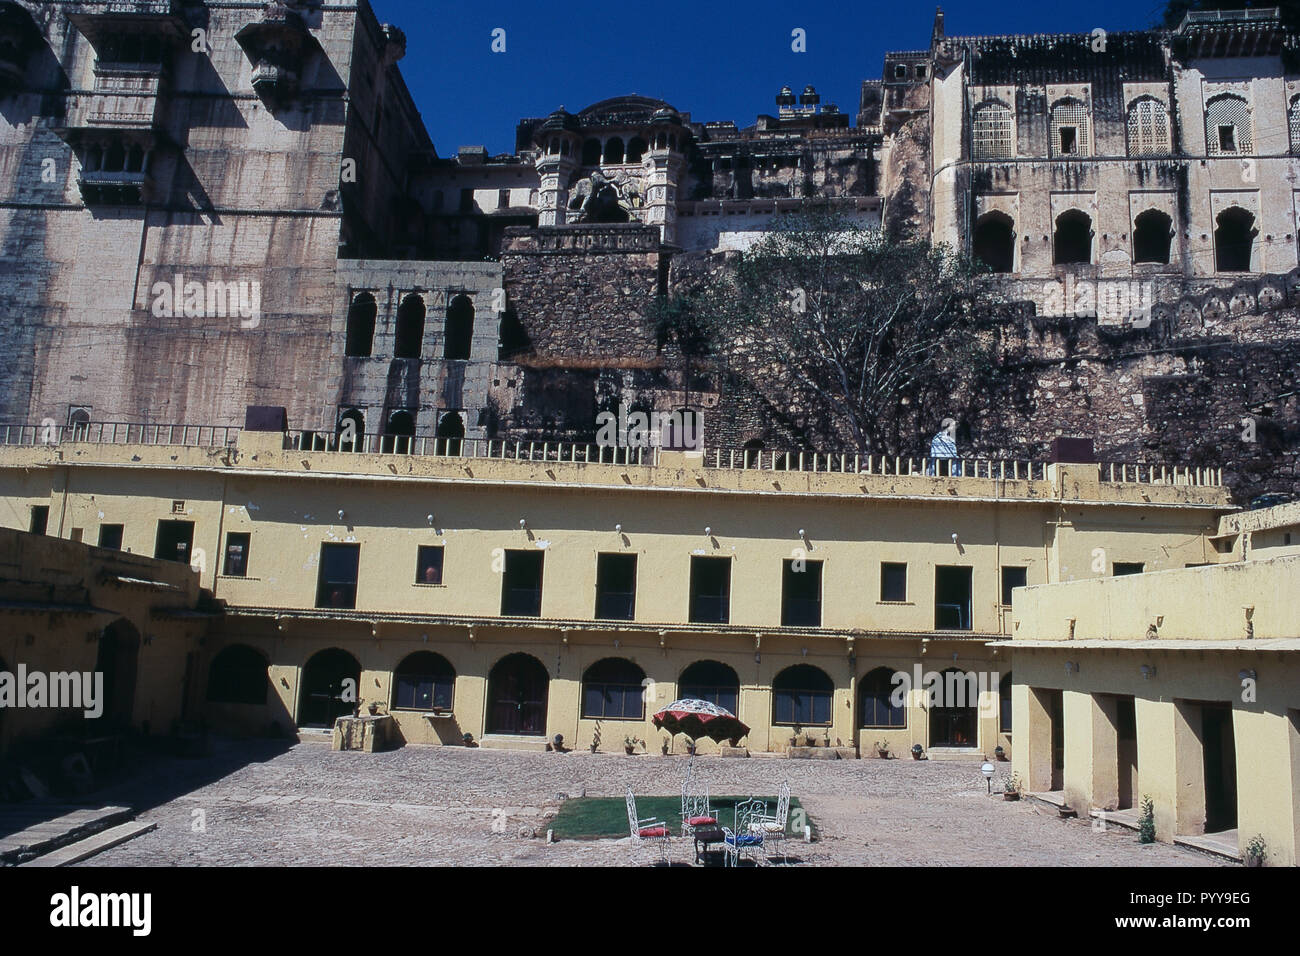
(1147, 822)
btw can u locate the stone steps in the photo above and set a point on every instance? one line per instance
(33, 829)
(96, 843)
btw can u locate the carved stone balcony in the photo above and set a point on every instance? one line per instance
(119, 188)
(19, 38)
(99, 21)
(279, 45)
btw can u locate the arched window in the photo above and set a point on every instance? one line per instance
(1227, 126)
(994, 242)
(409, 338)
(450, 431)
(1004, 704)
(876, 700)
(636, 148)
(238, 676)
(1070, 134)
(711, 681)
(79, 419)
(397, 433)
(1073, 240)
(330, 682)
(591, 152)
(802, 695)
(612, 690)
(460, 328)
(992, 135)
(1293, 121)
(1148, 127)
(1233, 240)
(1152, 231)
(351, 430)
(424, 680)
(361, 325)
(613, 151)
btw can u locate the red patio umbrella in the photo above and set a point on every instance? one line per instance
(698, 718)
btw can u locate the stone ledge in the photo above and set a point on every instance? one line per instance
(820, 753)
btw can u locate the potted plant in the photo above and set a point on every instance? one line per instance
(629, 745)
(794, 740)
(1011, 787)
(826, 738)
(468, 739)
(917, 750)
(1000, 752)
(882, 749)
(1256, 851)
(810, 739)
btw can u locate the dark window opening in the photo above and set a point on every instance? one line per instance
(450, 434)
(409, 338)
(615, 587)
(238, 676)
(521, 586)
(40, 519)
(1069, 140)
(1152, 232)
(398, 432)
(424, 681)
(513, 337)
(1227, 139)
(110, 536)
(994, 243)
(713, 682)
(1004, 704)
(1233, 240)
(460, 328)
(613, 150)
(893, 581)
(428, 564)
(361, 326)
(876, 705)
(1073, 240)
(952, 599)
(467, 200)
(336, 584)
(1012, 578)
(1127, 567)
(517, 690)
(174, 540)
(636, 148)
(331, 681)
(802, 695)
(503, 199)
(236, 558)
(591, 152)
(801, 593)
(612, 689)
(710, 590)
(350, 431)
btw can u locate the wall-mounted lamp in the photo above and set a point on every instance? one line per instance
(708, 532)
(1148, 671)
(954, 537)
(618, 529)
(523, 523)
(340, 514)
(429, 518)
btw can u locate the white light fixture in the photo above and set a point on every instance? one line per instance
(429, 518)
(708, 532)
(988, 770)
(954, 537)
(523, 523)
(802, 533)
(340, 514)
(618, 529)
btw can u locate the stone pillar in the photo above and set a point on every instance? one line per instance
(1031, 711)
(661, 193)
(1091, 744)
(553, 174)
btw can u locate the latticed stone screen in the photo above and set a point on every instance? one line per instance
(1227, 126)
(1293, 119)
(1148, 128)
(991, 132)
(1070, 129)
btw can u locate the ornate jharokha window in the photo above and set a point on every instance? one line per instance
(1070, 134)
(1148, 127)
(991, 132)
(1293, 121)
(1227, 126)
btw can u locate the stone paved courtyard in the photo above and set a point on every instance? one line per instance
(302, 804)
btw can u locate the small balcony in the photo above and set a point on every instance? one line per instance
(98, 22)
(278, 45)
(120, 188)
(272, 81)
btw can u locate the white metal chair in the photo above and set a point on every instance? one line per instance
(646, 832)
(695, 805)
(774, 827)
(744, 840)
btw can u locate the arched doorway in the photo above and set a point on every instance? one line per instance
(238, 675)
(330, 681)
(460, 329)
(409, 338)
(361, 326)
(398, 433)
(954, 710)
(1152, 231)
(1233, 239)
(517, 691)
(994, 243)
(451, 429)
(118, 660)
(351, 430)
(1073, 240)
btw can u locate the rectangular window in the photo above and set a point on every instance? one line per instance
(467, 200)
(40, 519)
(521, 585)
(174, 540)
(235, 564)
(893, 581)
(1012, 578)
(801, 593)
(336, 585)
(1227, 139)
(952, 599)
(801, 706)
(615, 587)
(710, 590)
(503, 199)
(1069, 140)
(1127, 567)
(110, 536)
(428, 564)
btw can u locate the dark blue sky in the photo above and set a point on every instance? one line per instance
(719, 61)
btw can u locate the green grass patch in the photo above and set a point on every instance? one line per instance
(599, 818)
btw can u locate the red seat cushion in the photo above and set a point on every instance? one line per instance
(701, 821)
(653, 832)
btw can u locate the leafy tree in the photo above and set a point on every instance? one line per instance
(847, 332)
